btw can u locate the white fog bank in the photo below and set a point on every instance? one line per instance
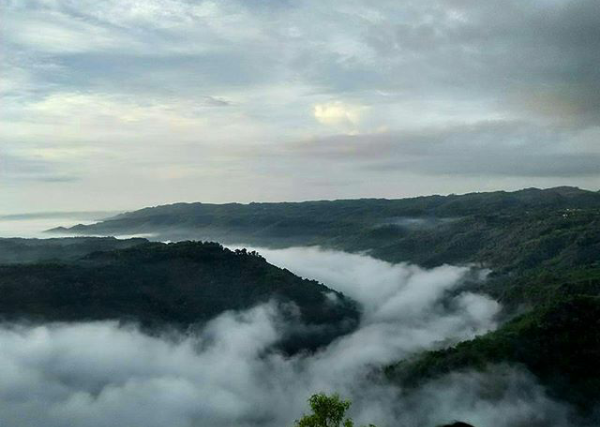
(101, 375)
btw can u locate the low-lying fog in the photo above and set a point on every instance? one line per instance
(100, 375)
(34, 226)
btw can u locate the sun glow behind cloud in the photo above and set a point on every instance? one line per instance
(338, 113)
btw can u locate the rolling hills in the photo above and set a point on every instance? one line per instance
(500, 230)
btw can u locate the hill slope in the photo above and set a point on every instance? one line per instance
(559, 342)
(177, 285)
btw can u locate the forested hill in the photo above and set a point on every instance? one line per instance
(175, 285)
(558, 341)
(501, 230)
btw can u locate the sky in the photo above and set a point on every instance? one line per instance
(120, 104)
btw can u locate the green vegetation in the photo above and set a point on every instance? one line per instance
(177, 285)
(327, 411)
(559, 342)
(535, 241)
(330, 411)
(501, 230)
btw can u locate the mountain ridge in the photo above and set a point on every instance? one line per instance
(484, 229)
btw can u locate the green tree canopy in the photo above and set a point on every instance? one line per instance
(327, 411)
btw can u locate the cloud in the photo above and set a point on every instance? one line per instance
(338, 113)
(14, 168)
(100, 374)
(489, 148)
(142, 83)
(514, 398)
(216, 102)
(57, 33)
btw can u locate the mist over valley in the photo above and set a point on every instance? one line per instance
(276, 213)
(140, 331)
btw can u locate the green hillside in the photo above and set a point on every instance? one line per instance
(524, 237)
(177, 285)
(501, 230)
(559, 342)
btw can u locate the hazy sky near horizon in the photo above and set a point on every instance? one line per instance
(119, 104)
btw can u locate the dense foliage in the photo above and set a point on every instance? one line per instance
(501, 230)
(558, 341)
(179, 284)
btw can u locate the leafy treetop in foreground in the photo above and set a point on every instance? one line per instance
(330, 411)
(327, 411)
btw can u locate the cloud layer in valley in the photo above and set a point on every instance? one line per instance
(100, 375)
(171, 100)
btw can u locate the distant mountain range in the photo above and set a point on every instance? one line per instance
(500, 230)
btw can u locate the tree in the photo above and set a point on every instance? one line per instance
(327, 411)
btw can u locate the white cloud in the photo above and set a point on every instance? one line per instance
(55, 33)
